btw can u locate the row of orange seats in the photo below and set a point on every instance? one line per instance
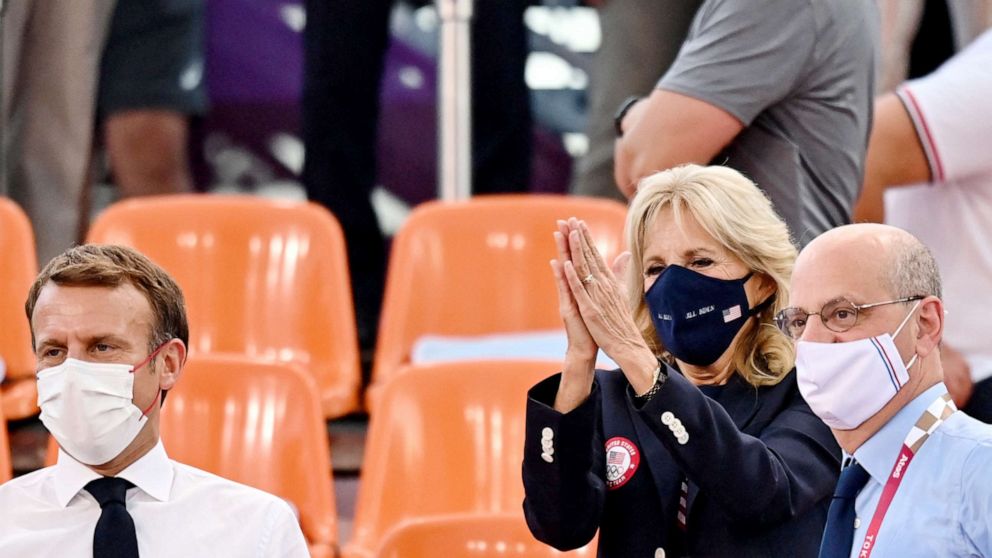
(269, 280)
(271, 318)
(442, 462)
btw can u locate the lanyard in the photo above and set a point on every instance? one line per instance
(929, 421)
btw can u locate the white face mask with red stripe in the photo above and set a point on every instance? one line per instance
(846, 383)
(88, 407)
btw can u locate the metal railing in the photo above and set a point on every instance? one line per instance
(455, 100)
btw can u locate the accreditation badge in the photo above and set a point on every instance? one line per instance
(622, 460)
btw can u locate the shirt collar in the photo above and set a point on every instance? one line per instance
(878, 453)
(152, 473)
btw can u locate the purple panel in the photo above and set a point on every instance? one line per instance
(254, 78)
(253, 56)
(408, 126)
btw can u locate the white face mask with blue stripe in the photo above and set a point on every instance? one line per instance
(845, 384)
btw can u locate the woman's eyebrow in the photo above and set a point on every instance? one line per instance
(700, 251)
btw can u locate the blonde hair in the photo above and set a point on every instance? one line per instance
(739, 216)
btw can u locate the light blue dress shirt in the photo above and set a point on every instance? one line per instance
(943, 507)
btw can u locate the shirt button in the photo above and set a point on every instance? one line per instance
(683, 439)
(547, 433)
(547, 444)
(857, 522)
(660, 553)
(666, 418)
(547, 457)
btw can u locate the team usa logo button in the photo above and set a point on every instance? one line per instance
(622, 460)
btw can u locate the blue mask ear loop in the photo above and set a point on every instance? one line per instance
(762, 306)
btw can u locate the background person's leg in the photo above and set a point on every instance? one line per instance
(151, 82)
(50, 93)
(148, 151)
(344, 49)
(501, 116)
(979, 406)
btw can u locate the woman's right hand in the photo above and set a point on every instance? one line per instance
(580, 342)
(580, 356)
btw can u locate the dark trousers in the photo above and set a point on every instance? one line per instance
(344, 47)
(980, 404)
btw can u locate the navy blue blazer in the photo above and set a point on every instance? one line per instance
(761, 470)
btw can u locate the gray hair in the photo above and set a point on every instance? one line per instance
(914, 270)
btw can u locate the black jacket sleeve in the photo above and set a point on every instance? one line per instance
(562, 471)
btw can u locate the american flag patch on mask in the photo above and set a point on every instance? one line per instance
(732, 313)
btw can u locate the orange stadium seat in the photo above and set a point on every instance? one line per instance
(257, 423)
(471, 536)
(447, 438)
(267, 279)
(5, 469)
(18, 269)
(260, 424)
(480, 267)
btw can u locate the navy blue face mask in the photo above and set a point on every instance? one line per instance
(697, 317)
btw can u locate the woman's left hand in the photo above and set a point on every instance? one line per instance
(601, 303)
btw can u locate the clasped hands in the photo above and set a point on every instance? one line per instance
(593, 307)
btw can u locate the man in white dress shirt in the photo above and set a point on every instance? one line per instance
(110, 333)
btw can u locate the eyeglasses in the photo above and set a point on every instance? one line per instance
(837, 315)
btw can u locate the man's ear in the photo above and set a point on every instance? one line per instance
(930, 323)
(174, 358)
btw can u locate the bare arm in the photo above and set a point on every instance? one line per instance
(895, 158)
(669, 129)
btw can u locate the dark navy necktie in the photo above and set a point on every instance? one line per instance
(838, 535)
(114, 536)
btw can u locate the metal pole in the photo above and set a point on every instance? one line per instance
(455, 101)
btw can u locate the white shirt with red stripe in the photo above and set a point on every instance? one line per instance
(952, 112)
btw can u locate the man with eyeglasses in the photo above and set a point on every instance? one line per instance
(867, 319)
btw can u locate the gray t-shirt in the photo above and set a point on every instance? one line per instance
(800, 75)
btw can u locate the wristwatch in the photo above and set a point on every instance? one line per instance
(659, 380)
(621, 112)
